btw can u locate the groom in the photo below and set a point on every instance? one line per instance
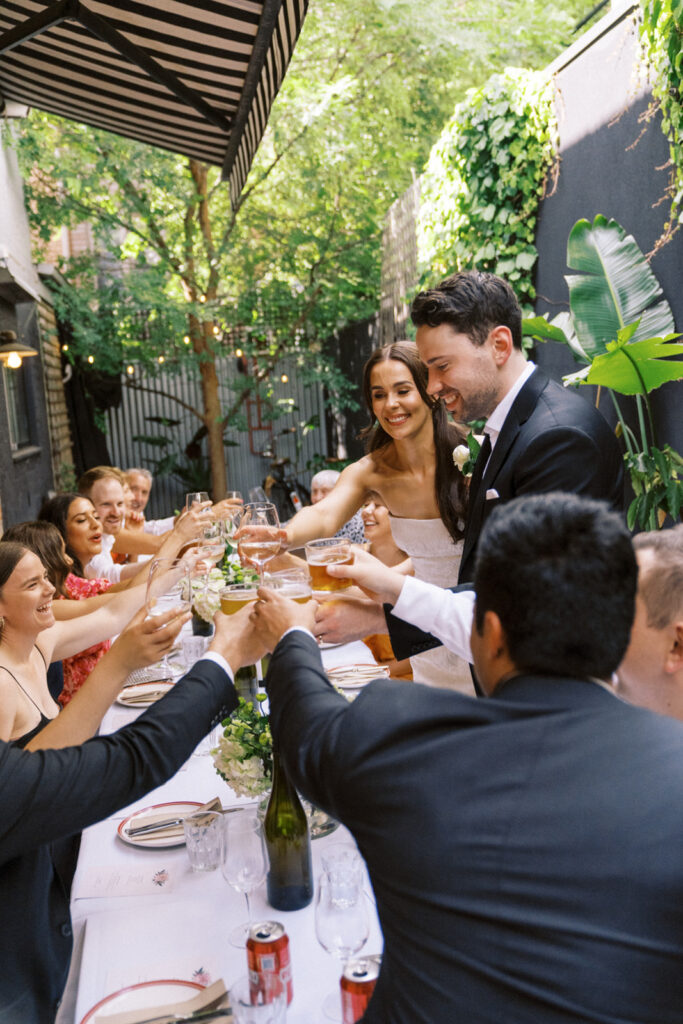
(539, 436)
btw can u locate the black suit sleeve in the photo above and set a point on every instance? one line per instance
(49, 794)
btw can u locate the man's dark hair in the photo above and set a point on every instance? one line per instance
(561, 574)
(473, 303)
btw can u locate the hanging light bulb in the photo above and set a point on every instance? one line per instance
(284, 378)
(130, 370)
(91, 359)
(65, 348)
(216, 329)
(186, 339)
(161, 359)
(14, 360)
(202, 298)
(239, 353)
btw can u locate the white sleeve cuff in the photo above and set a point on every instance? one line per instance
(219, 660)
(445, 615)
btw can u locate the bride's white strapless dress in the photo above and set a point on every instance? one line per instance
(436, 559)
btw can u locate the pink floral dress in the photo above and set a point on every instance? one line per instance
(78, 667)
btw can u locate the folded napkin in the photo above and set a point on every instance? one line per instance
(173, 831)
(213, 997)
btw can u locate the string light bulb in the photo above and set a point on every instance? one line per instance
(239, 353)
(65, 348)
(186, 339)
(216, 329)
(202, 298)
(130, 370)
(91, 359)
(14, 360)
(284, 378)
(161, 359)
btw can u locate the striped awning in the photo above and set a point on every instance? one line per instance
(196, 78)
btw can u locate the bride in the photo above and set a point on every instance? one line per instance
(409, 464)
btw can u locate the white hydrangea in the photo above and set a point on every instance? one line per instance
(245, 777)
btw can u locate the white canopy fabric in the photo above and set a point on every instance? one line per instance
(197, 78)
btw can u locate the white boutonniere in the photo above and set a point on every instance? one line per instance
(465, 455)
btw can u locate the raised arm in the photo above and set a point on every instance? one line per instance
(73, 635)
(335, 509)
(143, 642)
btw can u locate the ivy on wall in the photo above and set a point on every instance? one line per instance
(484, 180)
(662, 37)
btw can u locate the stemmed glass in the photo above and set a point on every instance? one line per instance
(211, 544)
(260, 521)
(341, 921)
(194, 497)
(168, 586)
(244, 862)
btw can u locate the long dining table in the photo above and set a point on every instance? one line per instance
(141, 914)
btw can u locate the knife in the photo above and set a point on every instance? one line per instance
(181, 1018)
(138, 830)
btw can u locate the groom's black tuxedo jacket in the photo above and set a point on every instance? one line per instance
(552, 440)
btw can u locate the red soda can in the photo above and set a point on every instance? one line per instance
(268, 953)
(357, 985)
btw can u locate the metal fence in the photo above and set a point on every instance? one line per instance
(138, 413)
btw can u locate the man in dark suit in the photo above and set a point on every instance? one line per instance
(526, 851)
(539, 436)
(51, 794)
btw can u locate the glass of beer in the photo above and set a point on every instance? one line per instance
(293, 583)
(236, 596)
(324, 552)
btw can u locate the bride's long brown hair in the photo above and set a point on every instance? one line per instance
(449, 483)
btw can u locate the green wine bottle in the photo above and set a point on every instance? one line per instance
(290, 878)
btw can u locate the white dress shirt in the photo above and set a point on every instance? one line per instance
(494, 423)
(445, 615)
(103, 566)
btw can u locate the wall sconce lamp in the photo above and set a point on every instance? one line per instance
(12, 352)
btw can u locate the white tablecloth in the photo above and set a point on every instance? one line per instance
(180, 930)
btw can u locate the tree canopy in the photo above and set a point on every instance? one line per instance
(180, 274)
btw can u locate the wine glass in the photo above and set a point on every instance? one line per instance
(260, 521)
(233, 495)
(341, 922)
(194, 497)
(211, 545)
(168, 586)
(244, 862)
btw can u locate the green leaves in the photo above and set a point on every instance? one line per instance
(481, 189)
(616, 286)
(636, 368)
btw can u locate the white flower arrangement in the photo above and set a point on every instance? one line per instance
(244, 755)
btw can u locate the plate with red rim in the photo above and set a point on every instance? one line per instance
(144, 995)
(174, 809)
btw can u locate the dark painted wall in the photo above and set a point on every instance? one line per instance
(612, 162)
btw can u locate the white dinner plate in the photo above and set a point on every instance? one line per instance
(172, 810)
(141, 996)
(133, 696)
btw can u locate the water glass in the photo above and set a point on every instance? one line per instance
(204, 839)
(262, 1003)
